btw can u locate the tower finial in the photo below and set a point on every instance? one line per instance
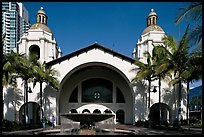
(41, 8)
(152, 10)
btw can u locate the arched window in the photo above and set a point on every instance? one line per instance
(39, 19)
(96, 111)
(108, 111)
(85, 111)
(97, 90)
(34, 51)
(154, 20)
(73, 111)
(43, 19)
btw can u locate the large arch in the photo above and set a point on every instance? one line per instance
(96, 70)
(34, 114)
(165, 113)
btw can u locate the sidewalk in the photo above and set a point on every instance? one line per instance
(132, 128)
(29, 132)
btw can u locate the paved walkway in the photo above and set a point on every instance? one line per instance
(135, 129)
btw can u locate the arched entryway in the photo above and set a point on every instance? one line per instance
(33, 111)
(120, 116)
(99, 84)
(154, 115)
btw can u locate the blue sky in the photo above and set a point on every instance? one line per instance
(115, 25)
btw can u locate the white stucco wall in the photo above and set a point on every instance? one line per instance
(95, 55)
(44, 40)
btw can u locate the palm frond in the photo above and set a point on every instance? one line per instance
(140, 64)
(170, 43)
(195, 35)
(192, 12)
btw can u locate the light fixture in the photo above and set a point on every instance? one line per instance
(154, 90)
(29, 90)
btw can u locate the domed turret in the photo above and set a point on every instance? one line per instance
(152, 23)
(152, 13)
(41, 21)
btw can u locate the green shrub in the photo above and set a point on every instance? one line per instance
(194, 120)
(10, 126)
(146, 124)
(139, 123)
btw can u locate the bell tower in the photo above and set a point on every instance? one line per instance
(152, 18)
(152, 35)
(41, 16)
(40, 40)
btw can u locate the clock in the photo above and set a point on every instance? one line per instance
(97, 95)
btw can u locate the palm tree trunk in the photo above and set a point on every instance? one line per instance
(26, 99)
(25, 88)
(159, 101)
(188, 105)
(149, 94)
(2, 100)
(15, 106)
(179, 106)
(41, 100)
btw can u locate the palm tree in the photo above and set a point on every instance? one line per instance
(16, 66)
(47, 75)
(24, 70)
(50, 77)
(146, 72)
(159, 61)
(8, 73)
(192, 13)
(193, 72)
(176, 60)
(9, 63)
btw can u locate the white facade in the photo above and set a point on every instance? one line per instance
(40, 39)
(100, 65)
(152, 35)
(98, 73)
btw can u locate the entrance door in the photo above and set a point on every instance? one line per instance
(120, 116)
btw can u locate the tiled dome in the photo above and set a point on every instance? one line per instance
(152, 28)
(42, 26)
